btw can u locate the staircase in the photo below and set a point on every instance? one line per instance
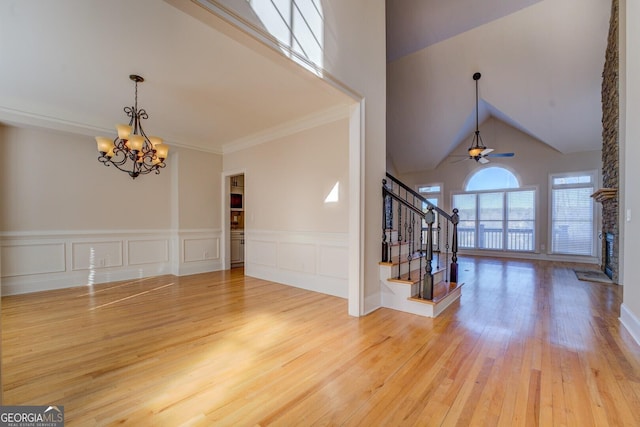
(414, 278)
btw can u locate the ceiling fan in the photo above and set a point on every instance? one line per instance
(478, 151)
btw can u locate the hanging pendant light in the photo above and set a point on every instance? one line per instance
(132, 151)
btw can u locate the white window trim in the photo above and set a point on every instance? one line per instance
(595, 176)
(504, 191)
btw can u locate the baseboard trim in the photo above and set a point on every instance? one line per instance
(630, 322)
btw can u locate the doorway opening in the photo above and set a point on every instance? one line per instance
(236, 219)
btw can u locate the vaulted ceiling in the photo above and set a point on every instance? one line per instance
(541, 65)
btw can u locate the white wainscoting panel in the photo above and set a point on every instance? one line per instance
(261, 252)
(309, 260)
(35, 258)
(148, 251)
(299, 257)
(96, 254)
(331, 262)
(199, 251)
(39, 261)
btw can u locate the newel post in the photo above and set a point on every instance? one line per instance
(455, 218)
(427, 281)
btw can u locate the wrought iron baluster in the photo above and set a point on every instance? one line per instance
(387, 223)
(399, 239)
(446, 254)
(410, 245)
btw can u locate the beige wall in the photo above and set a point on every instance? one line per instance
(52, 181)
(198, 190)
(288, 179)
(532, 164)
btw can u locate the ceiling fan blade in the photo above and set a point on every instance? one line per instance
(486, 151)
(501, 155)
(460, 160)
(483, 160)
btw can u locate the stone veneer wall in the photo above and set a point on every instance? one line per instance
(610, 138)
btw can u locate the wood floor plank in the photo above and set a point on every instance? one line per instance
(526, 345)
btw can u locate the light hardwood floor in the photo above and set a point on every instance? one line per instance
(527, 344)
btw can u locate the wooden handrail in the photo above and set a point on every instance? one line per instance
(419, 196)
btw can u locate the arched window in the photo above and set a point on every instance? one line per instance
(495, 213)
(492, 178)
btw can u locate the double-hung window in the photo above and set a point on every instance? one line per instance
(572, 213)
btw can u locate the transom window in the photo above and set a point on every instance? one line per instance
(492, 178)
(495, 213)
(297, 24)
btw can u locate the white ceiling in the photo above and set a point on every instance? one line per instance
(65, 65)
(541, 65)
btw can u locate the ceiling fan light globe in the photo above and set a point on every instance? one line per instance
(475, 151)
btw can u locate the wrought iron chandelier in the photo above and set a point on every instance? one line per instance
(132, 151)
(477, 146)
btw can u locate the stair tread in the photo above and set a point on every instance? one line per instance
(415, 274)
(440, 291)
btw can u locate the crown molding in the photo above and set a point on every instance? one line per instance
(26, 119)
(21, 118)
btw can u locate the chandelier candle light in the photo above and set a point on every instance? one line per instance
(132, 151)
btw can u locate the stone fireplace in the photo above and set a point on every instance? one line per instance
(609, 195)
